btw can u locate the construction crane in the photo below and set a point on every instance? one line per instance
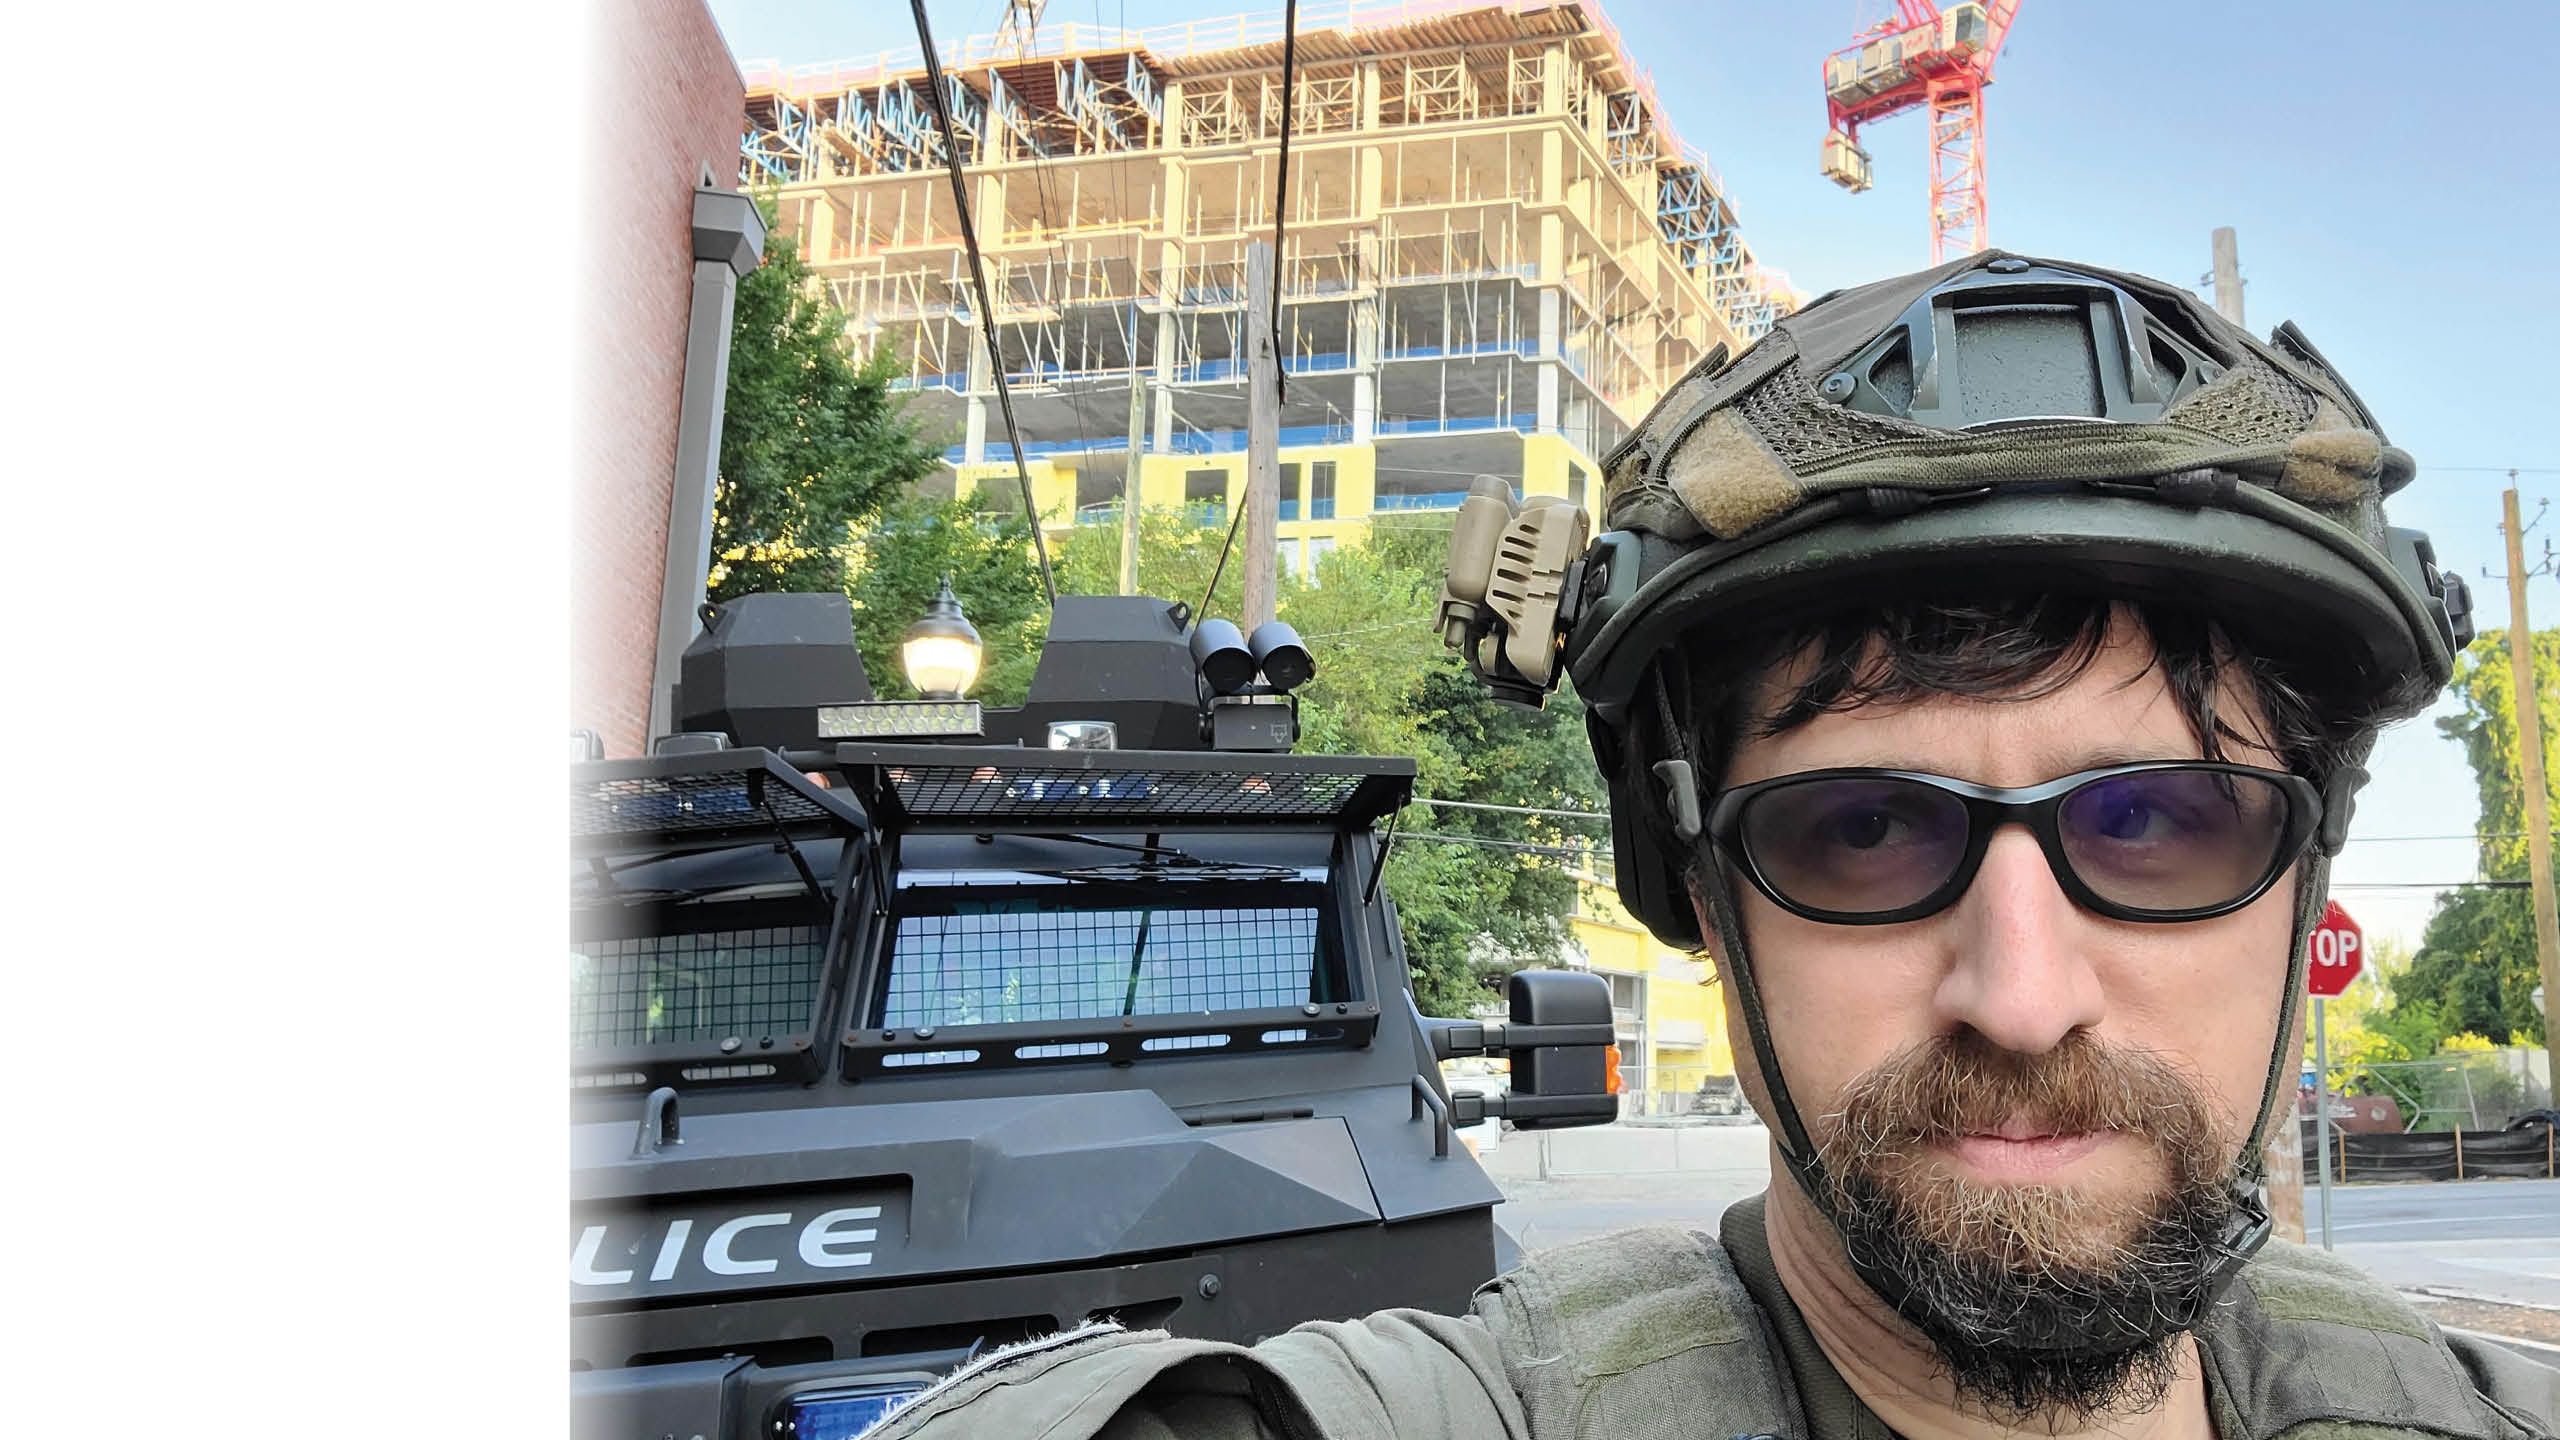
(1925, 57)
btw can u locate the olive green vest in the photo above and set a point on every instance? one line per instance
(1672, 1334)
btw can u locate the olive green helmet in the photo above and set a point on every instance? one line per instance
(1997, 416)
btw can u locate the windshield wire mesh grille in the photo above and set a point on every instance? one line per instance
(676, 804)
(962, 792)
(1020, 964)
(694, 989)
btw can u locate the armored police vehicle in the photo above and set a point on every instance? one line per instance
(903, 1030)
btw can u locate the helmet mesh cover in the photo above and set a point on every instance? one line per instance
(1732, 448)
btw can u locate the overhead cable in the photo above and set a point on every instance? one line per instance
(1280, 195)
(978, 284)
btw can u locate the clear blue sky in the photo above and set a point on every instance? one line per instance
(2389, 169)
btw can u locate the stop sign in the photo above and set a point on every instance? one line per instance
(2337, 954)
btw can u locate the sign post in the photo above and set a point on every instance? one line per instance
(2336, 959)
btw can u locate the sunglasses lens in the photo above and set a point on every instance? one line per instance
(2172, 840)
(1855, 845)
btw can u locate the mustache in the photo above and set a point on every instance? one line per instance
(1961, 1084)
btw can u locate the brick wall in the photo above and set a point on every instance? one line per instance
(664, 101)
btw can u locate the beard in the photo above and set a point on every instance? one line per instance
(2035, 1297)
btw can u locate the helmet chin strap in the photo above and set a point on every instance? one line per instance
(2242, 1235)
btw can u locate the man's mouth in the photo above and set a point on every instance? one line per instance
(2024, 1150)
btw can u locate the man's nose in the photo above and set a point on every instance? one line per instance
(2020, 974)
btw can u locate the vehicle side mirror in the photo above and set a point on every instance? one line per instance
(1563, 1044)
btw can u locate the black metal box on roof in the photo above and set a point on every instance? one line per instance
(763, 664)
(1121, 658)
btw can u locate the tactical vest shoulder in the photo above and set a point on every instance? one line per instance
(1650, 1335)
(1639, 1335)
(2309, 1346)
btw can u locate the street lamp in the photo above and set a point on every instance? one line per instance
(941, 650)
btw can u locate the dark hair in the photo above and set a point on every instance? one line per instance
(2011, 646)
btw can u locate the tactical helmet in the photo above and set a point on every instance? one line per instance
(2031, 421)
(1997, 415)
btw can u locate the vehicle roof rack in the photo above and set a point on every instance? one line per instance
(968, 788)
(704, 801)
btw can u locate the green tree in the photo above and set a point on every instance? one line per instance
(898, 563)
(813, 445)
(2475, 968)
(1471, 912)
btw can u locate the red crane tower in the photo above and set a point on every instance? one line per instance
(1933, 58)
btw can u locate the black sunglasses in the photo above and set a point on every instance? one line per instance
(2159, 841)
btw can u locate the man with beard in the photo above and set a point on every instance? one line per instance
(1983, 666)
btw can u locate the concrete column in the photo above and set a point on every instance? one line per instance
(1177, 198)
(973, 445)
(986, 211)
(1550, 355)
(1553, 100)
(1369, 94)
(1173, 136)
(1364, 355)
(1551, 168)
(728, 241)
(818, 237)
(1167, 336)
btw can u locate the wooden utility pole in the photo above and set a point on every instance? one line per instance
(2283, 1154)
(2226, 274)
(1129, 493)
(1261, 443)
(2537, 799)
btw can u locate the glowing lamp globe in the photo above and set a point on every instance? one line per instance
(941, 650)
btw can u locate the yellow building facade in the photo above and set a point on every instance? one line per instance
(1669, 1006)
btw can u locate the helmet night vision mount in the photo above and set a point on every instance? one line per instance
(1505, 603)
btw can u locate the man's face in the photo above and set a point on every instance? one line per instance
(2014, 1086)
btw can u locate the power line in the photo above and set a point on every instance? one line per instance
(1558, 850)
(978, 282)
(1280, 192)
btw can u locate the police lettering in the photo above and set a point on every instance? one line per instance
(830, 1240)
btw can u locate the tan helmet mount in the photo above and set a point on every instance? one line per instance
(1509, 582)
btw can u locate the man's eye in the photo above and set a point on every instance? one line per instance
(2132, 820)
(1863, 829)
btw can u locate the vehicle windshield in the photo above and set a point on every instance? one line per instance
(1104, 952)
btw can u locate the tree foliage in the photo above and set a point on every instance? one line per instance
(2475, 968)
(813, 446)
(901, 560)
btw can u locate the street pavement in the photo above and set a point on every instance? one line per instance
(2489, 1240)
(2494, 1240)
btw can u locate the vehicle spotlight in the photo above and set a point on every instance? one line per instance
(1281, 656)
(1218, 648)
(941, 650)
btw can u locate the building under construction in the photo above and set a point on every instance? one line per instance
(1497, 252)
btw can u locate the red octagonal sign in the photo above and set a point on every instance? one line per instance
(2337, 954)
